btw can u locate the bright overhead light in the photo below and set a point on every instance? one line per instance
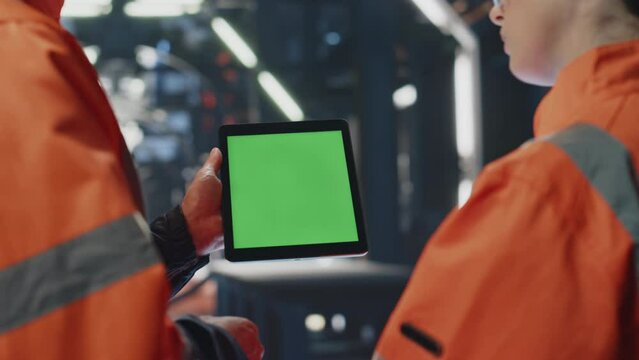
(280, 96)
(465, 111)
(405, 97)
(234, 42)
(85, 8)
(162, 8)
(92, 53)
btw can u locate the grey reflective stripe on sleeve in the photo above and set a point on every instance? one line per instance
(606, 162)
(73, 270)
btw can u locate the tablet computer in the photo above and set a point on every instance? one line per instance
(290, 191)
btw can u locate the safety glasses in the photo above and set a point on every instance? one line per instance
(497, 2)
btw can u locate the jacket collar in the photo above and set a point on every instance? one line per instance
(590, 89)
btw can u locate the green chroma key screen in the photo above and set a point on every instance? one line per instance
(290, 189)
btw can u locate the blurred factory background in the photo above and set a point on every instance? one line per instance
(424, 85)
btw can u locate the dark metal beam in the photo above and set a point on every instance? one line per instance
(375, 25)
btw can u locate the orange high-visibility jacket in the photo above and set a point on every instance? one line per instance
(540, 263)
(79, 277)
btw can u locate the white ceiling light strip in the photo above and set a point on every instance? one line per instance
(162, 8)
(86, 8)
(246, 56)
(234, 42)
(464, 108)
(280, 96)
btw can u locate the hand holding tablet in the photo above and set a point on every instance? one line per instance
(290, 191)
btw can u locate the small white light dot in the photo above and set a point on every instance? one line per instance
(338, 323)
(315, 322)
(405, 97)
(367, 333)
(333, 38)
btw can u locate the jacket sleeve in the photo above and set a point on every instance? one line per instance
(173, 240)
(63, 183)
(504, 277)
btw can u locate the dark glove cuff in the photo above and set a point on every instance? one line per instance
(208, 341)
(171, 236)
(172, 233)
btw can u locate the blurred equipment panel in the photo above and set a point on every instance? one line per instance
(315, 309)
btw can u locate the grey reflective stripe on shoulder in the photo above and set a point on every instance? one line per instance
(606, 162)
(73, 270)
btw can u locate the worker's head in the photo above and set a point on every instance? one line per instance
(542, 36)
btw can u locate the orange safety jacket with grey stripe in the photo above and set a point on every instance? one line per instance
(540, 262)
(79, 275)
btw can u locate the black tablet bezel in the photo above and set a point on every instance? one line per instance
(296, 251)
